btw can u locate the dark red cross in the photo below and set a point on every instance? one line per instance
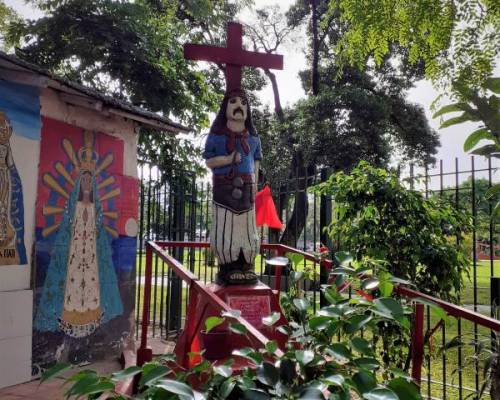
(234, 56)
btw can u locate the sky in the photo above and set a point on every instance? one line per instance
(423, 93)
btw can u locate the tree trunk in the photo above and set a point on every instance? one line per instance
(315, 49)
(297, 221)
(274, 234)
(278, 109)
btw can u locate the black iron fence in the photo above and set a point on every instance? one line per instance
(175, 206)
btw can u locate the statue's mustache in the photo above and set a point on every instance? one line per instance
(239, 109)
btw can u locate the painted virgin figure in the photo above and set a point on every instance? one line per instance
(12, 250)
(80, 291)
(233, 153)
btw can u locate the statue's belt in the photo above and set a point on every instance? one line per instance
(236, 193)
(225, 179)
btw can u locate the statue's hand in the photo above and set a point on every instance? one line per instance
(236, 156)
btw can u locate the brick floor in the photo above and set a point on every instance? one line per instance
(52, 389)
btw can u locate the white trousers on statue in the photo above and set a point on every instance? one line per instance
(233, 233)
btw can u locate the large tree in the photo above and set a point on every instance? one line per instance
(350, 115)
(133, 51)
(7, 16)
(352, 118)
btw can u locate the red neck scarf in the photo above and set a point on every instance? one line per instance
(232, 137)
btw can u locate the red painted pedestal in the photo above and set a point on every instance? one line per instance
(254, 301)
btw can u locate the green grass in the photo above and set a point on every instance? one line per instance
(483, 274)
(444, 366)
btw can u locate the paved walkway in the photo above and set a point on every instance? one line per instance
(53, 390)
(33, 390)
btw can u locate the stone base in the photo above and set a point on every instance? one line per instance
(254, 301)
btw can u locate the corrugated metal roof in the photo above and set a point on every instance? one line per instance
(156, 120)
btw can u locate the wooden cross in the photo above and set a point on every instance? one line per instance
(234, 56)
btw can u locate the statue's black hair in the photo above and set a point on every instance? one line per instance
(220, 121)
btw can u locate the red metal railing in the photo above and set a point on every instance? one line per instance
(144, 353)
(417, 344)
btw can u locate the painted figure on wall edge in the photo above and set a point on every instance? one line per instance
(12, 249)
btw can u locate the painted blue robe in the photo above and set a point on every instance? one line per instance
(17, 213)
(51, 304)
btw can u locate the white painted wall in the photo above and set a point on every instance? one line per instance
(16, 297)
(16, 310)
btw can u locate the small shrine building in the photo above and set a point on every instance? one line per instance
(68, 219)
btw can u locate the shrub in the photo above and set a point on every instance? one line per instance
(376, 216)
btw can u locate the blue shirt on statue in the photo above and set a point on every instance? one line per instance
(220, 145)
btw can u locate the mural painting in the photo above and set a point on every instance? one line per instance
(12, 250)
(86, 214)
(19, 132)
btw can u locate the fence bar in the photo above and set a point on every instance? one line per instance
(141, 241)
(417, 343)
(144, 353)
(452, 309)
(459, 321)
(325, 218)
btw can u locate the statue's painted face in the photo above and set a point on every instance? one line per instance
(5, 129)
(237, 109)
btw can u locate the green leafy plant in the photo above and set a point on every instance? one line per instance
(452, 39)
(308, 271)
(213, 322)
(479, 106)
(330, 354)
(375, 216)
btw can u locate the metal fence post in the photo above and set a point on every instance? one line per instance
(325, 218)
(417, 343)
(495, 302)
(175, 309)
(144, 353)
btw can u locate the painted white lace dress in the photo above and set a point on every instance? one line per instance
(82, 311)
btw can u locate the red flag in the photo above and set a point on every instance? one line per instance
(265, 211)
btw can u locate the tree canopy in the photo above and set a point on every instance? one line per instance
(456, 39)
(7, 16)
(133, 51)
(351, 114)
(352, 118)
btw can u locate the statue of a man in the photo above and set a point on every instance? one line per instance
(233, 153)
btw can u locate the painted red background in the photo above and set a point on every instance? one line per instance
(51, 151)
